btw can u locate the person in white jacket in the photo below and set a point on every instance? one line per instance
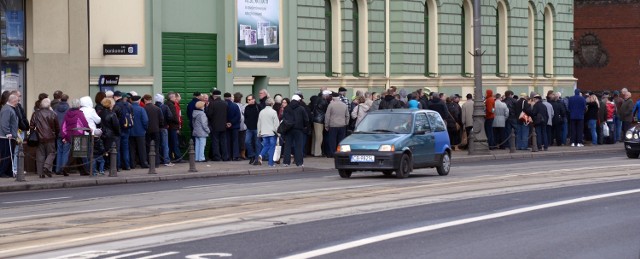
(501, 112)
(86, 106)
(267, 130)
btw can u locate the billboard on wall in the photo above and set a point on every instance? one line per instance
(258, 30)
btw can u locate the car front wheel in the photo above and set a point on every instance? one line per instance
(405, 167)
(445, 164)
(344, 173)
(632, 154)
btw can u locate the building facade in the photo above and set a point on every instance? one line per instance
(607, 53)
(246, 45)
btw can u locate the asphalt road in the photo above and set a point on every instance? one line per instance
(601, 228)
(287, 214)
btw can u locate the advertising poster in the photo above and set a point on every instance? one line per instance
(258, 26)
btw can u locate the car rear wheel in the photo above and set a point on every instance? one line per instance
(632, 154)
(445, 164)
(344, 173)
(405, 167)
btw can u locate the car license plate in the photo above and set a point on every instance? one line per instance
(362, 159)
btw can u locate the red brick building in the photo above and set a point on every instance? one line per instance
(607, 44)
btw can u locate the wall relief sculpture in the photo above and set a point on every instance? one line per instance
(590, 52)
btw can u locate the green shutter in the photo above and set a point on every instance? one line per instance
(188, 65)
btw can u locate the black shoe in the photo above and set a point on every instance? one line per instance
(253, 159)
(126, 168)
(41, 176)
(236, 159)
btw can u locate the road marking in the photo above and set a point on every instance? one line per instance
(27, 201)
(158, 255)
(127, 255)
(413, 231)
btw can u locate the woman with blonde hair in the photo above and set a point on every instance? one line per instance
(593, 105)
(200, 130)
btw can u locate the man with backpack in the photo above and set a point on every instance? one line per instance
(124, 111)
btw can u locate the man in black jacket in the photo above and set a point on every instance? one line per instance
(295, 115)
(389, 101)
(559, 116)
(217, 115)
(540, 118)
(156, 121)
(513, 116)
(251, 141)
(174, 127)
(319, 108)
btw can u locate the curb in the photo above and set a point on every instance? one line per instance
(27, 186)
(529, 155)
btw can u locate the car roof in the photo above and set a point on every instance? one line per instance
(404, 111)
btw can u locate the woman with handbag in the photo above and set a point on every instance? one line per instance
(44, 125)
(523, 109)
(267, 127)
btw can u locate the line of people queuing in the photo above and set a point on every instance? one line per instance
(252, 130)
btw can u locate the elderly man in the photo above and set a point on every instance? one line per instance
(8, 131)
(336, 121)
(217, 115)
(173, 124)
(44, 122)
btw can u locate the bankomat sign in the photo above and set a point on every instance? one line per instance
(120, 49)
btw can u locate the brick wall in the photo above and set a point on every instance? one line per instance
(618, 29)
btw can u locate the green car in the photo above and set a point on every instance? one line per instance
(396, 140)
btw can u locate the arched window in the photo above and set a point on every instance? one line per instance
(328, 59)
(548, 41)
(467, 38)
(531, 40)
(502, 31)
(431, 38)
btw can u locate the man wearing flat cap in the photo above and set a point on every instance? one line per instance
(217, 114)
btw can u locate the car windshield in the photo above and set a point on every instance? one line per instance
(400, 123)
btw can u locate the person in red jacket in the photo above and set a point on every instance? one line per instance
(490, 104)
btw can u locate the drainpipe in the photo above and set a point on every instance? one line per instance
(387, 45)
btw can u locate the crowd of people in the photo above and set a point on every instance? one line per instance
(251, 130)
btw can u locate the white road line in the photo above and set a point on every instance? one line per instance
(27, 201)
(158, 255)
(413, 231)
(127, 255)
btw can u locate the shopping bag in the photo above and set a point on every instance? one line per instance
(605, 129)
(277, 151)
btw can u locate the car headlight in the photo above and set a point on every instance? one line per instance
(629, 135)
(387, 148)
(344, 148)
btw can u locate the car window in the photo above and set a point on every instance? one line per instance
(386, 123)
(436, 121)
(422, 123)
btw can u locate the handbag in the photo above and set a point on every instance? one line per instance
(33, 140)
(277, 151)
(526, 119)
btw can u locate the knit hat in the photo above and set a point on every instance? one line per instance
(326, 92)
(295, 98)
(133, 93)
(117, 93)
(342, 89)
(216, 92)
(108, 93)
(159, 98)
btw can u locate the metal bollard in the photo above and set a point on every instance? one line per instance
(113, 161)
(534, 141)
(192, 157)
(512, 141)
(152, 157)
(20, 172)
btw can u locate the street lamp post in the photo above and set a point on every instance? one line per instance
(478, 144)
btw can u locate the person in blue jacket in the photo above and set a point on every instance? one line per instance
(577, 107)
(138, 133)
(233, 127)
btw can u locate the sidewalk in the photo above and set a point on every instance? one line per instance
(215, 169)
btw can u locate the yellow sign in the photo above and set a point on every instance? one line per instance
(229, 68)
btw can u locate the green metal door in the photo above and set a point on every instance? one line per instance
(188, 65)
